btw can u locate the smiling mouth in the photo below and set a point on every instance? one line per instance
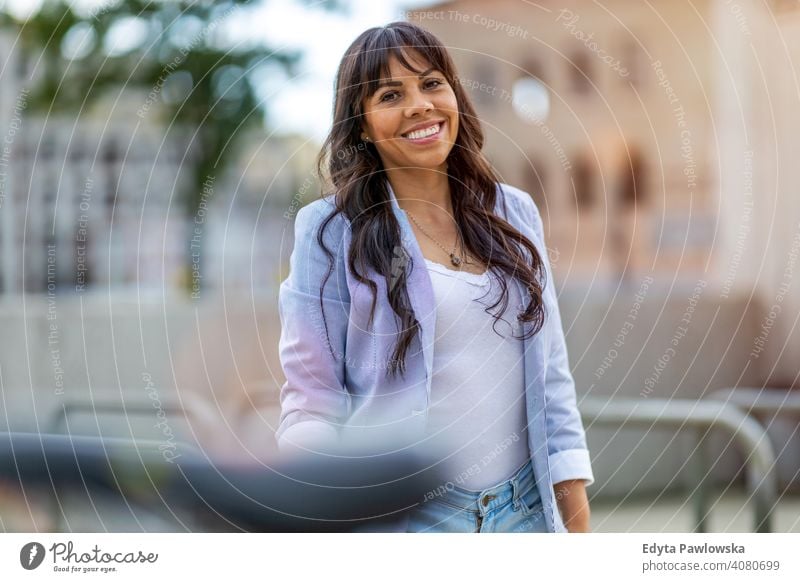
(426, 133)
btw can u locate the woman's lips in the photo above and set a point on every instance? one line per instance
(428, 139)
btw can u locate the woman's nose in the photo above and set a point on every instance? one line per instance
(419, 103)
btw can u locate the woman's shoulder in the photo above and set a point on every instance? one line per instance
(315, 213)
(518, 197)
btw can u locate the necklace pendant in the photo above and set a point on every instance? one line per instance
(455, 260)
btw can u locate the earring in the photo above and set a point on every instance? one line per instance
(365, 137)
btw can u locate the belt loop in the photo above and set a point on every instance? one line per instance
(515, 492)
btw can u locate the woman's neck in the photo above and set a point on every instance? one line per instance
(422, 192)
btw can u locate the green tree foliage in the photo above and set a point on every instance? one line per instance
(178, 47)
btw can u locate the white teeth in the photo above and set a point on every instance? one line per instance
(432, 130)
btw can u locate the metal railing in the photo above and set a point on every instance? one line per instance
(701, 416)
(766, 405)
(761, 400)
(124, 404)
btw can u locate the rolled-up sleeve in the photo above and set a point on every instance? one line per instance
(314, 400)
(567, 450)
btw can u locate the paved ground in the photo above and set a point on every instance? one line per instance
(729, 513)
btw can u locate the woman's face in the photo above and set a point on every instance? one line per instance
(401, 118)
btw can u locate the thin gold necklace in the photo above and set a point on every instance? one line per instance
(455, 260)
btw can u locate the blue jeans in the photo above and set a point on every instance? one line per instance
(511, 506)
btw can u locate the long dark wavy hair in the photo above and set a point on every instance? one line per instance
(358, 180)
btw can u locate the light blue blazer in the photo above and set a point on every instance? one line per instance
(338, 390)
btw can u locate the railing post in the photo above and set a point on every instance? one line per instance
(757, 402)
(699, 466)
(683, 413)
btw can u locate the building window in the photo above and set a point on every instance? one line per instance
(485, 73)
(632, 188)
(532, 68)
(535, 182)
(110, 159)
(530, 99)
(580, 73)
(785, 5)
(22, 63)
(582, 181)
(632, 62)
(530, 96)
(48, 150)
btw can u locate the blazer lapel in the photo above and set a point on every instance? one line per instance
(420, 289)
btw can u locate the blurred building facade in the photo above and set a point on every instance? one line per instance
(657, 139)
(93, 200)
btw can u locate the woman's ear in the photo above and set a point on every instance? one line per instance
(362, 126)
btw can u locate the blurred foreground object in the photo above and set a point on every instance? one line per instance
(298, 493)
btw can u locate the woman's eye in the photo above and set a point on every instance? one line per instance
(430, 84)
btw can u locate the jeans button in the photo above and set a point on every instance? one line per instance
(486, 499)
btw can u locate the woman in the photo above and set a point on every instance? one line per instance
(389, 315)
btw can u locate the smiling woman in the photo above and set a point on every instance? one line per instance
(386, 119)
(400, 348)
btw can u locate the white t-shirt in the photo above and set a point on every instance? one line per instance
(478, 384)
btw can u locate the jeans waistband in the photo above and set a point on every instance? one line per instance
(488, 499)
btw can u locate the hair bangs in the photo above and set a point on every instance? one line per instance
(400, 44)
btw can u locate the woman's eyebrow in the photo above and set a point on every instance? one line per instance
(400, 83)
